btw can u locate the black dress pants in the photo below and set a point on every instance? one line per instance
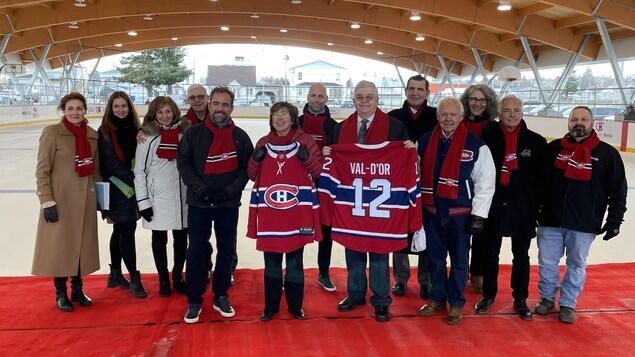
(520, 267)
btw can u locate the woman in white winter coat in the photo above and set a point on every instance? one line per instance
(160, 190)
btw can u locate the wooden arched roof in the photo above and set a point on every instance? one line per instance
(454, 30)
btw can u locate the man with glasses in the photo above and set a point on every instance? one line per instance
(317, 122)
(457, 185)
(520, 157)
(197, 98)
(212, 159)
(367, 125)
(418, 118)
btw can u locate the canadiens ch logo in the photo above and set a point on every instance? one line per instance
(224, 156)
(467, 155)
(282, 196)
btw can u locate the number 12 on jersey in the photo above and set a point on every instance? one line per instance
(374, 206)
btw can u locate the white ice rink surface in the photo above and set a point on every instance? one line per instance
(19, 211)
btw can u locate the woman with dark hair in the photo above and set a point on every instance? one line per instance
(67, 168)
(481, 109)
(283, 166)
(160, 190)
(117, 146)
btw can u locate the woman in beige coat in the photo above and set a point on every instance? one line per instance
(67, 168)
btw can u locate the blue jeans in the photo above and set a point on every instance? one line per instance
(446, 236)
(199, 220)
(379, 276)
(552, 244)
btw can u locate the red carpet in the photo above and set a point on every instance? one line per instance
(119, 325)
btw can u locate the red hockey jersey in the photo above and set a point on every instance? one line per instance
(370, 195)
(284, 209)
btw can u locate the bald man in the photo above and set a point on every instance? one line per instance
(316, 121)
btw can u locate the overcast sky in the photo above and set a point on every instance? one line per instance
(269, 61)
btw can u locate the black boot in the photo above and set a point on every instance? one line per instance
(164, 284)
(77, 292)
(178, 283)
(61, 298)
(115, 278)
(136, 288)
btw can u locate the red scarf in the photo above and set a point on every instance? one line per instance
(169, 142)
(281, 140)
(314, 126)
(475, 127)
(377, 132)
(575, 158)
(415, 115)
(222, 153)
(193, 118)
(448, 183)
(510, 161)
(118, 151)
(83, 155)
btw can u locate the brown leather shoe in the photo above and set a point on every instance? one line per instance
(454, 316)
(430, 308)
(477, 283)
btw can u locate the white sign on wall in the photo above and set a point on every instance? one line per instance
(609, 131)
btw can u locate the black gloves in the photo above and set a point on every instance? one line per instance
(50, 214)
(214, 197)
(219, 196)
(611, 230)
(259, 154)
(303, 153)
(147, 214)
(206, 196)
(477, 225)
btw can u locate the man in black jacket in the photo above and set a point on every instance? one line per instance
(519, 156)
(418, 118)
(212, 160)
(586, 178)
(317, 122)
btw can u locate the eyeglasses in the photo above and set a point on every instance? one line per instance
(361, 98)
(475, 100)
(281, 115)
(196, 97)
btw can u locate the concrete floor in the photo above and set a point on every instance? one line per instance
(19, 208)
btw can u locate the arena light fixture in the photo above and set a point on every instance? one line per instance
(118, 45)
(415, 16)
(368, 42)
(504, 5)
(255, 16)
(174, 38)
(148, 17)
(329, 43)
(73, 25)
(253, 37)
(283, 30)
(355, 25)
(80, 3)
(419, 37)
(379, 53)
(296, 2)
(132, 33)
(224, 28)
